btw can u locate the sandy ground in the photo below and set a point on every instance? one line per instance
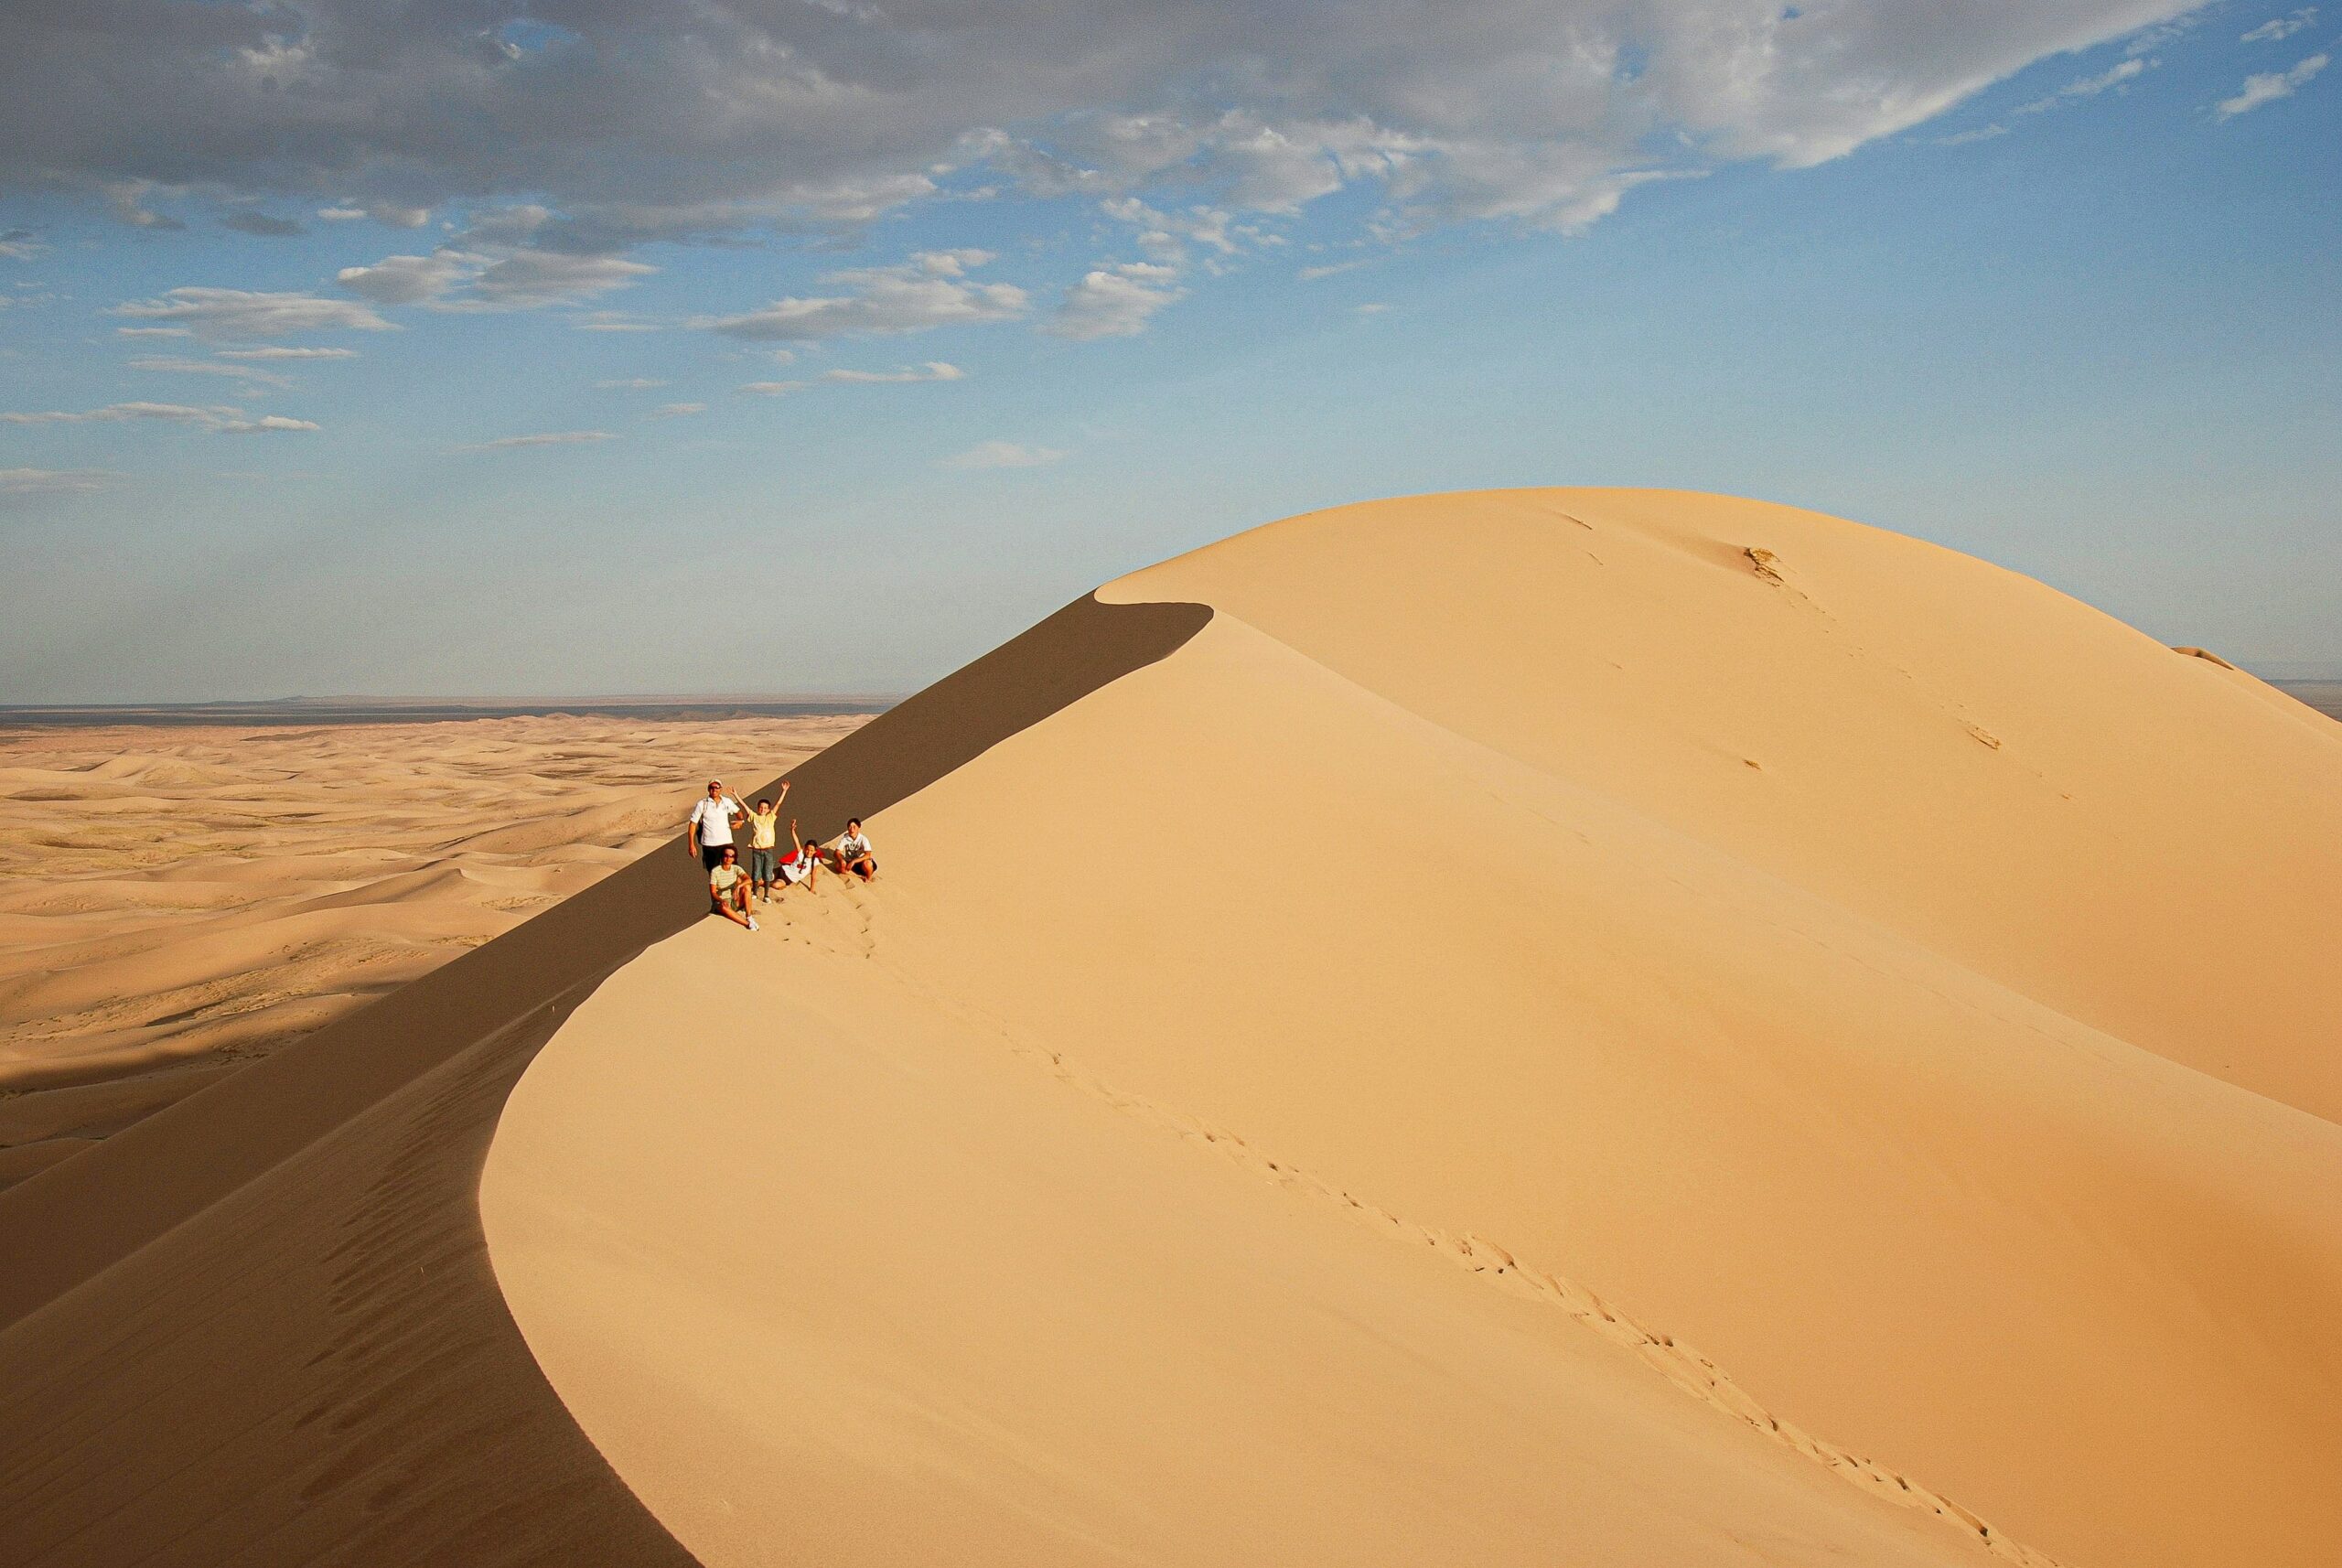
(176, 902)
(260, 1327)
(1560, 1025)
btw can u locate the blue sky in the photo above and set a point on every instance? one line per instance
(2066, 302)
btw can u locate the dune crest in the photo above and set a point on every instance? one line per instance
(1900, 981)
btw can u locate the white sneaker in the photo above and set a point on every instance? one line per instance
(752, 922)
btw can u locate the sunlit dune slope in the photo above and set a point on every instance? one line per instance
(1563, 1025)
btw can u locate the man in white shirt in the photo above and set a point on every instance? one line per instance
(853, 853)
(713, 819)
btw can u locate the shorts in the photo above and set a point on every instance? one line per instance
(760, 865)
(793, 872)
(710, 856)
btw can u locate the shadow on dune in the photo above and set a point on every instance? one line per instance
(261, 1326)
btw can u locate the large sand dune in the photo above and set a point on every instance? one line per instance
(1708, 924)
(1536, 1027)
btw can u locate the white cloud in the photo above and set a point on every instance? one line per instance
(526, 280)
(2279, 28)
(550, 438)
(775, 389)
(630, 384)
(249, 375)
(52, 481)
(613, 321)
(1372, 307)
(1115, 302)
(929, 291)
(219, 419)
(242, 313)
(933, 370)
(341, 214)
(152, 332)
(20, 245)
(2267, 87)
(453, 278)
(2125, 72)
(275, 351)
(267, 423)
(1167, 235)
(1310, 275)
(410, 280)
(677, 410)
(1003, 454)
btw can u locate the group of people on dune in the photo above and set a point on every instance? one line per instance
(733, 891)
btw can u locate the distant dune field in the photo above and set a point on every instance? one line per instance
(176, 901)
(1533, 1027)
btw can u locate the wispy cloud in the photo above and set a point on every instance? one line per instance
(550, 438)
(217, 419)
(232, 313)
(126, 200)
(774, 388)
(261, 223)
(390, 214)
(1310, 275)
(52, 481)
(2125, 72)
(930, 290)
(678, 409)
(275, 351)
(152, 332)
(2267, 87)
(613, 321)
(630, 384)
(2278, 28)
(933, 370)
(248, 374)
(20, 245)
(495, 279)
(1003, 454)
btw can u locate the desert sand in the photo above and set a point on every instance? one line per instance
(177, 901)
(1709, 924)
(1539, 1026)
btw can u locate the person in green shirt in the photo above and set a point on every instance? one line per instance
(727, 889)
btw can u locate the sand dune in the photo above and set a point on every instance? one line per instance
(259, 1324)
(213, 900)
(1892, 978)
(1525, 1027)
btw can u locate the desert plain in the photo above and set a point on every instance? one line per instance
(177, 901)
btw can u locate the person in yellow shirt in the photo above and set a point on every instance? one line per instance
(764, 836)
